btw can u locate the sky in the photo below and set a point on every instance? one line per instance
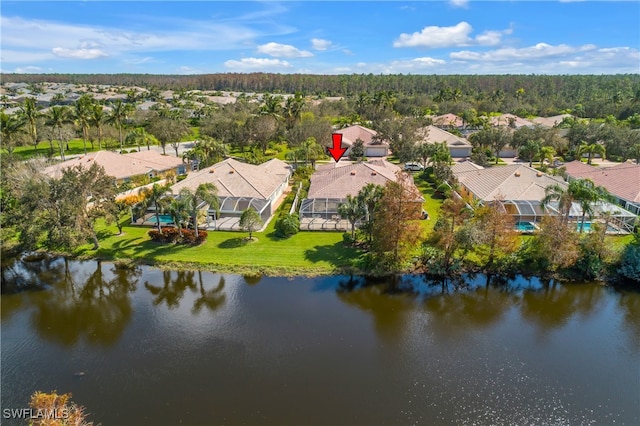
(339, 37)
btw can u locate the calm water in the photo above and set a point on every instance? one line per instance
(160, 347)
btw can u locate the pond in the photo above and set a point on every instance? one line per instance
(146, 346)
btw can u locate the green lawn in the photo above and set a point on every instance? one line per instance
(307, 253)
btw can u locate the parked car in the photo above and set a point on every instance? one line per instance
(413, 167)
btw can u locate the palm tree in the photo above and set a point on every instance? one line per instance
(369, 196)
(30, 114)
(559, 193)
(178, 209)
(11, 125)
(293, 109)
(310, 150)
(82, 114)
(353, 209)
(586, 193)
(57, 117)
(118, 115)
(205, 193)
(156, 196)
(591, 150)
(138, 136)
(97, 120)
(547, 153)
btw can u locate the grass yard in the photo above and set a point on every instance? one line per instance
(307, 253)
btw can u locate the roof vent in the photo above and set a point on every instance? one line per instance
(353, 173)
(212, 171)
(373, 173)
(231, 171)
(89, 159)
(539, 174)
(517, 174)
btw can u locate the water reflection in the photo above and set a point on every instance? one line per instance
(554, 304)
(176, 283)
(98, 308)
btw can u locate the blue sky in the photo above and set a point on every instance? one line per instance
(428, 37)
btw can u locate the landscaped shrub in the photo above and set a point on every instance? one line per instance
(171, 235)
(287, 225)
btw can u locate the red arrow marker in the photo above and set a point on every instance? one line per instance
(337, 150)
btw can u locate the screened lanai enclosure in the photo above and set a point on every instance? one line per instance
(618, 220)
(321, 214)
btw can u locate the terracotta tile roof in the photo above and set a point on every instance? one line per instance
(503, 120)
(351, 133)
(155, 159)
(550, 121)
(513, 182)
(340, 179)
(120, 166)
(236, 179)
(448, 120)
(622, 180)
(437, 135)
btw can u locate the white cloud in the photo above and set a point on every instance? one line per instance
(454, 36)
(538, 51)
(79, 53)
(188, 70)
(278, 50)
(459, 3)
(73, 41)
(27, 70)
(256, 64)
(543, 58)
(347, 52)
(320, 44)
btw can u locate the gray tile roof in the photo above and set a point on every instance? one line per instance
(351, 133)
(437, 135)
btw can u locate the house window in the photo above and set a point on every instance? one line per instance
(182, 170)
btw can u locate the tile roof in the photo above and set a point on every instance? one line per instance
(503, 120)
(550, 121)
(236, 179)
(337, 180)
(119, 166)
(351, 133)
(622, 180)
(448, 120)
(512, 182)
(465, 166)
(437, 135)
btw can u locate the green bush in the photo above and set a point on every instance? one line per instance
(168, 235)
(287, 225)
(630, 263)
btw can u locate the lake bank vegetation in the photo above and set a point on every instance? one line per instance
(43, 212)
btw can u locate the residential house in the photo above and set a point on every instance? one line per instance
(510, 120)
(240, 186)
(124, 167)
(521, 189)
(448, 121)
(622, 181)
(331, 184)
(458, 147)
(372, 148)
(550, 122)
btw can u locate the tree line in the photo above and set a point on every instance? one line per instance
(597, 95)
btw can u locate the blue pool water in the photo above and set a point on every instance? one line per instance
(164, 219)
(525, 227)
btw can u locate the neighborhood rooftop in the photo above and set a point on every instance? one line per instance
(340, 179)
(236, 179)
(622, 180)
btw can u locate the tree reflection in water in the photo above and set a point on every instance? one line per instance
(175, 285)
(98, 309)
(212, 299)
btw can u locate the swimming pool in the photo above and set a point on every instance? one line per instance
(525, 227)
(587, 227)
(165, 219)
